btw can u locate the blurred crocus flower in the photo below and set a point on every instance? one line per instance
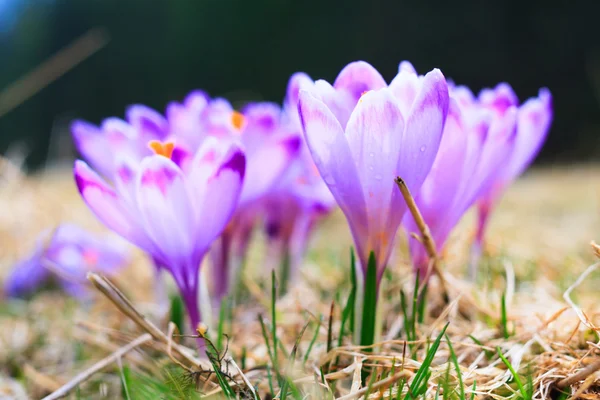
(172, 204)
(392, 131)
(474, 146)
(66, 256)
(270, 150)
(101, 146)
(200, 116)
(534, 118)
(301, 197)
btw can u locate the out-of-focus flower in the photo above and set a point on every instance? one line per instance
(270, 150)
(392, 131)
(172, 204)
(300, 198)
(67, 256)
(199, 117)
(102, 146)
(534, 118)
(475, 144)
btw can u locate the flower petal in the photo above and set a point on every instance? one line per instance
(266, 164)
(93, 145)
(497, 148)
(357, 78)
(375, 135)
(150, 122)
(166, 211)
(222, 194)
(107, 206)
(406, 66)
(405, 86)
(534, 118)
(298, 81)
(340, 102)
(333, 158)
(423, 131)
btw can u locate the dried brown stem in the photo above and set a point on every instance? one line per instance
(118, 299)
(426, 237)
(579, 376)
(105, 362)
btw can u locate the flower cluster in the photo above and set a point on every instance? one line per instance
(201, 177)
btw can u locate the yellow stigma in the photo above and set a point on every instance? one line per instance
(362, 94)
(164, 149)
(237, 120)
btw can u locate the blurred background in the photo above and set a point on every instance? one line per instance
(66, 59)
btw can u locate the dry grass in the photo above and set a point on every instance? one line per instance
(538, 245)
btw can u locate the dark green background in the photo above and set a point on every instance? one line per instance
(246, 49)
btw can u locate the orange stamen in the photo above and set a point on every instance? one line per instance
(162, 149)
(362, 94)
(237, 120)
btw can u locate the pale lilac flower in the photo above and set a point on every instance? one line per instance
(392, 131)
(172, 204)
(534, 118)
(101, 146)
(474, 146)
(301, 197)
(67, 256)
(270, 150)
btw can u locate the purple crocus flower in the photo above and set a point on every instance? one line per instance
(67, 256)
(392, 131)
(534, 118)
(474, 146)
(199, 116)
(301, 198)
(270, 150)
(172, 204)
(101, 146)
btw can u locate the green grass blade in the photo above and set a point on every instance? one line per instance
(263, 329)
(473, 390)
(222, 317)
(274, 319)
(421, 307)
(367, 333)
(125, 377)
(503, 317)
(454, 359)
(423, 373)
(177, 312)
(222, 379)
(514, 373)
(313, 340)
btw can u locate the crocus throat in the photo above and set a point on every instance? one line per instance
(362, 94)
(383, 238)
(164, 149)
(91, 257)
(237, 120)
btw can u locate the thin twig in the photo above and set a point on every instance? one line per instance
(105, 362)
(426, 237)
(118, 299)
(567, 296)
(581, 375)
